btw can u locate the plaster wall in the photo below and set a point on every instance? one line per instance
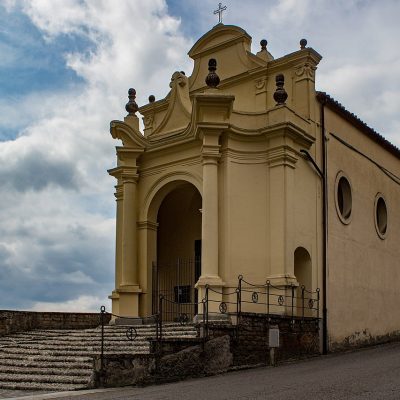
(243, 192)
(363, 269)
(157, 169)
(308, 218)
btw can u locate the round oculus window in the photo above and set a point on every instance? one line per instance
(343, 198)
(381, 217)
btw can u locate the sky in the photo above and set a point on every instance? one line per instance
(65, 68)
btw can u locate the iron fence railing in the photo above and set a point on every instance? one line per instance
(295, 302)
(131, 332)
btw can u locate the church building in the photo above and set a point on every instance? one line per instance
(245, 169)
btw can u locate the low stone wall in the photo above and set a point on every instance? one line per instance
(18, 321)
(136, 369)
(249, 341)
(228, 347)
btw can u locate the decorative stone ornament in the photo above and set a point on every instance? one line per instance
(264, 53)
(303, 44)
(131, 106)
(212, 79)
(263, 44)
(280, 94)
(152, 99)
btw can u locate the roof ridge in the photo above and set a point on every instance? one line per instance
(325, 98)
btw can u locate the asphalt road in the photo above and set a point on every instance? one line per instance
(372, 373)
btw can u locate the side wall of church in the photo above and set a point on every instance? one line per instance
(363, 266)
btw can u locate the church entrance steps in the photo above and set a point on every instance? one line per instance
(79, 370)
(40, 378)
(56, 387)
(63, 359)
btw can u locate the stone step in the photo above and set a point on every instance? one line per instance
(39, 378)
(63, 360)
(114, 328)
(56, 387)
(39, 369)
(110, 334)
(92, 344)
(97, 336)
(71, 353)
(46, 358)
(55, 365)
(126, 345)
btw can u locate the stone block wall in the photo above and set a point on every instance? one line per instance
(249, 341)
(18, 321)
(138, 369)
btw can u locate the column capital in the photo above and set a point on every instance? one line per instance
(129, 177)
(128, 155)
(119, 192)
(282, 156)
(210, 150)
(213, 107)
(124, 174)
(210, 154)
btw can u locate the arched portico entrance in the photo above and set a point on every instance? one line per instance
(177, 266)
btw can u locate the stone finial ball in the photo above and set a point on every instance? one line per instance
(280, 79)
(303, 43)
(131, 106)
(212, 63)
(152, 99)
(212, 79)
(263, 44)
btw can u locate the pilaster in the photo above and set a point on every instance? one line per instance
(125, 297)
(304, 84)
(285, 140)
(213, 111)
(147, 252)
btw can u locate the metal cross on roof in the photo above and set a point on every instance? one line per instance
(219, 11)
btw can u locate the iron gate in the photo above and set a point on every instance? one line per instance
(175, 282)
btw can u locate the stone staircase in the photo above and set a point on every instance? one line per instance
(62, 360)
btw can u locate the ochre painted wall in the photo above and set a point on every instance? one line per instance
(364, 270)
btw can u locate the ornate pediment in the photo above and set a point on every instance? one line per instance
(230, 46)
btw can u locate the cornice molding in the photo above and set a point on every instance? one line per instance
(125, 174)
(149, 225)
(130, 137)
(282, 156)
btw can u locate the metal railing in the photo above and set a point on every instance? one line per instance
(278, 300)
(247, 297)
(131, 332)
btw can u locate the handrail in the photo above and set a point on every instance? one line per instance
(290, 301)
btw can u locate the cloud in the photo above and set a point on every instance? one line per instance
(57, 208)
(81, 304)
(36, 170)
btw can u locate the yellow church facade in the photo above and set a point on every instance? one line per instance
(244, 169)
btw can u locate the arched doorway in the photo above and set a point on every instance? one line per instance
(178, 264)
(303, 274)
